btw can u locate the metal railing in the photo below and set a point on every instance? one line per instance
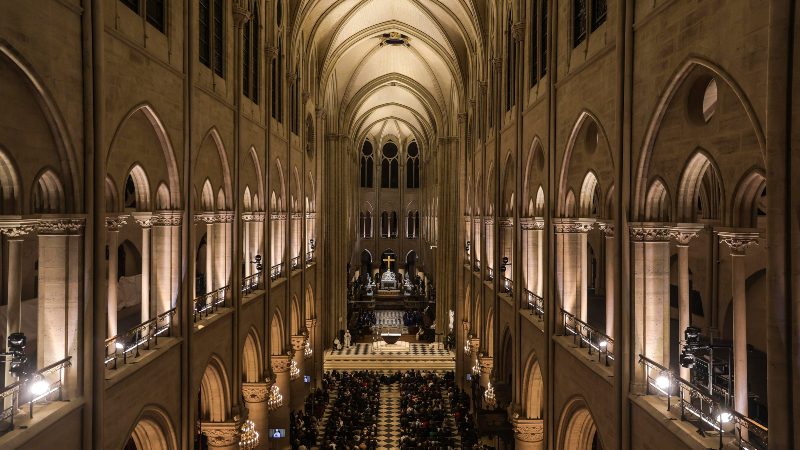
(208, 304)
(128, 344)
(507, 285)
(295, 263)
(695, 401)
(276, 271)
(535, 303)
(585, 334)
(251, 283)
(37, 386)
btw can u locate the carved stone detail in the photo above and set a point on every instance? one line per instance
(298, 342)
(487, 364)
(506, 222)
(270, 52)
(281, 363)
(253, 216)
(115, 223)
(682, 234)
(17, 231)
(221, 434)
(529, 430)
(311, 323)
(650, 232)
(255, 392)
(738, 241)
(573, 225)
(145, 220)
(167, 219)
(518, 31)
(607, 228)
(60, 226)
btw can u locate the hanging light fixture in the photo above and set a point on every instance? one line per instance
(294, 371)
(307, 350)
(275, 399)
(248, 436)
(489, 399)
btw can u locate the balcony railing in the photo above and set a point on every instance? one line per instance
(128, 344)
(208, 304)
(276, 271)
(251, 283)
(585, 335)
(535, 303)
(489, 273)
(507, 286)
(37, 386)
(700, 408)
(295, 263)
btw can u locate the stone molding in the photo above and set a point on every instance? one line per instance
(487, 364)
(255, 392)
(278, 216)
(528, 430)
(257, 216)
(573, 225)
(270, 52)
(297, 215)
(321, 114)
(242, 12)
(462, 117)
(221, 434)
(488, 220)
(497, 64)
(531, 223)
(683, 233)
(649, 232)
(144, 219)
(311, 323)
(225, 217)
(607, 228)
(281, 363)
(298, 342)
(738, 241)
(474, 345)
(506, 222)
(167, 218)
(60, 226)
(518, 31)
(115, 223)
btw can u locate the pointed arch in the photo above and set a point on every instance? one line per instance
(247, 200)
(153, 430)
(577, 427)
(701, 193)
(222, 154)
(749, 200)
(162, 197)
(48, 194)
(112, 196)
(658, 205)
(214, 392)
(258, 203)
(533, 388)
(296, 319)
(590, 205)
(207, 196)
(137, 190)
(276, 333)
(251, 358)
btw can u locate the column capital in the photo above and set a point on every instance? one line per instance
(487, 364)
(488, 220)
(224, 216)
(528, 430)
(167, 218)
(115, 223)
(506, 222)
(474, 345)
(144, 219)
(270, 52)
(462, 117)
(738, 241)
(311, 323)
(465, 325)
(607, 228)
(242, 12)
(16, 227)
(281, 363)
(563, 225)
(682, 233)
(255, 392)
(60, 226)
(497, 64)
(531, 223)
(221, 434)
(256, 216)
(649, 232)
(298, 342)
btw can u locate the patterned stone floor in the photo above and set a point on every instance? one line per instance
(389, 418)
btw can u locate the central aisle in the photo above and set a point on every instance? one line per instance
(389, 417)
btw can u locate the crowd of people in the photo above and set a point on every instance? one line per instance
(353, 419)
(304, 425)
(434, 413)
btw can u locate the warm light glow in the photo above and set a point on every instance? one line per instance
(662, 382)
(603, 344)
(248, 437)
(119, 346)
(39, 387)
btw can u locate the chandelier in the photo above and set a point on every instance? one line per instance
(489, 400)
(307, 351)
(294, 371)
(275, 399)
(248, 436)
(476, 369)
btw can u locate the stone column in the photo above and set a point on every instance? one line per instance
(298, 386)
(487, 364)
(682, 234)
(608, 233)
(506, 248)
(246, 243)
(145, 220)
(255, 398)
(59, 280)
(222, 250)
(528, 434)
(222, 435)
(738, 243)
(166, 259)
(279, 418)
(571, 265)
(113, 224)
(650, 262)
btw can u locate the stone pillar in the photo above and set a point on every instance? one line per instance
(608, 233)
(506, 248)
(738, 243)
(222, 435)
(166, 226)
(650, 243)
(145, 220)
(487, 364)
(255, 398)
(528, 434)
(279, 418)
(682, 234)
(311, 360)
(222, 250)
(113, 224)
(298, 386)
(247, 243)
(571, 265)
(59, 280)
(209, 254)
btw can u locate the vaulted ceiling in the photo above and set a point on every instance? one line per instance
(390, 67)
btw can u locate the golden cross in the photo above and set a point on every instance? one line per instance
(389, 262)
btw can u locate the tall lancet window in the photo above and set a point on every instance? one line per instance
(250, 57)
(389, 166)
(412, 166)
(367, 170)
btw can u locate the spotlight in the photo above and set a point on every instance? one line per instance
(39, 387)
(687, 360)
(119, 346)
(692, 337)
(603, 344)
(662, 381)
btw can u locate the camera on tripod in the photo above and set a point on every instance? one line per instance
(15, 353)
